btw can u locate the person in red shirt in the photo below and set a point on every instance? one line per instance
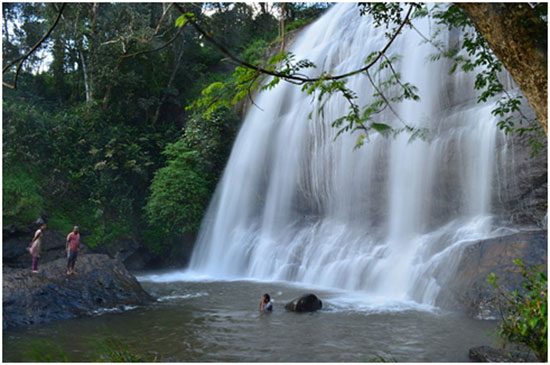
(73, 246)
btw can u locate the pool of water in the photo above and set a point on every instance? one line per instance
(218, 321)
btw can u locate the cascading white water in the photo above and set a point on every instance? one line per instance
(388, 218)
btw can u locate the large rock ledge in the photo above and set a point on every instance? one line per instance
(100, 283)
(469, 290)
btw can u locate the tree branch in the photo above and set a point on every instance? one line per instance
(25, 56)
(250, 94)
(164, 12)
(287, 77)
(156, 49)
(397, 77)
(383, 97)
(177, 61)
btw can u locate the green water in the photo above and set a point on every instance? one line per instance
(219, 322)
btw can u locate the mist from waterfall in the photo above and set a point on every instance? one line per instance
(389, 218)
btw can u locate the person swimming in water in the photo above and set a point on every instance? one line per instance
(265, 303)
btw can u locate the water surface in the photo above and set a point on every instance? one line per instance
(218, 321)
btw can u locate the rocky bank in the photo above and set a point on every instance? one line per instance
(100, 284)
(469, 290)
(491, 354)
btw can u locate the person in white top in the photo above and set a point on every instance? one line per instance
(265, 303)
(35, 247)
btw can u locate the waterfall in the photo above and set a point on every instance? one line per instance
(388, 218)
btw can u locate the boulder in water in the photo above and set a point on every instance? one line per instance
(305, 303)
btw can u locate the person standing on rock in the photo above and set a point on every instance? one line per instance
(35, 247)
(73, 246)
(265, 303)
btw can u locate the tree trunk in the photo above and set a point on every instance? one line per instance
(177, 61)
(6, 30)
(90, 65)
(263, 8)
(518, 37)
(282, 26)
(87, 81)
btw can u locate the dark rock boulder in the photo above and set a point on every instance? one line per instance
(491, 354)
(469, 290)
(99, 284)
(14, 253)
(305, 303)
(179, 254)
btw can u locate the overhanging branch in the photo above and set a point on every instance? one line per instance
(22, 59)
(294, 78)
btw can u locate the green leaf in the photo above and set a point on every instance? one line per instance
(518, 262)
(382, 128)
(492, 278)
(184, 18)
(453, 69)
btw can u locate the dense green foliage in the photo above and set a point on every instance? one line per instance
(22, 199)
(97, 132)
(245, 80)
(525, 312)
(85, 166)
(181, 190)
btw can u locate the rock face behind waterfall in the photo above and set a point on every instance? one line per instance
(469, 291)
(100, 284)
(520, 196)
(305, 303)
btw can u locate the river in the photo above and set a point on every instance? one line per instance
(200, 320)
